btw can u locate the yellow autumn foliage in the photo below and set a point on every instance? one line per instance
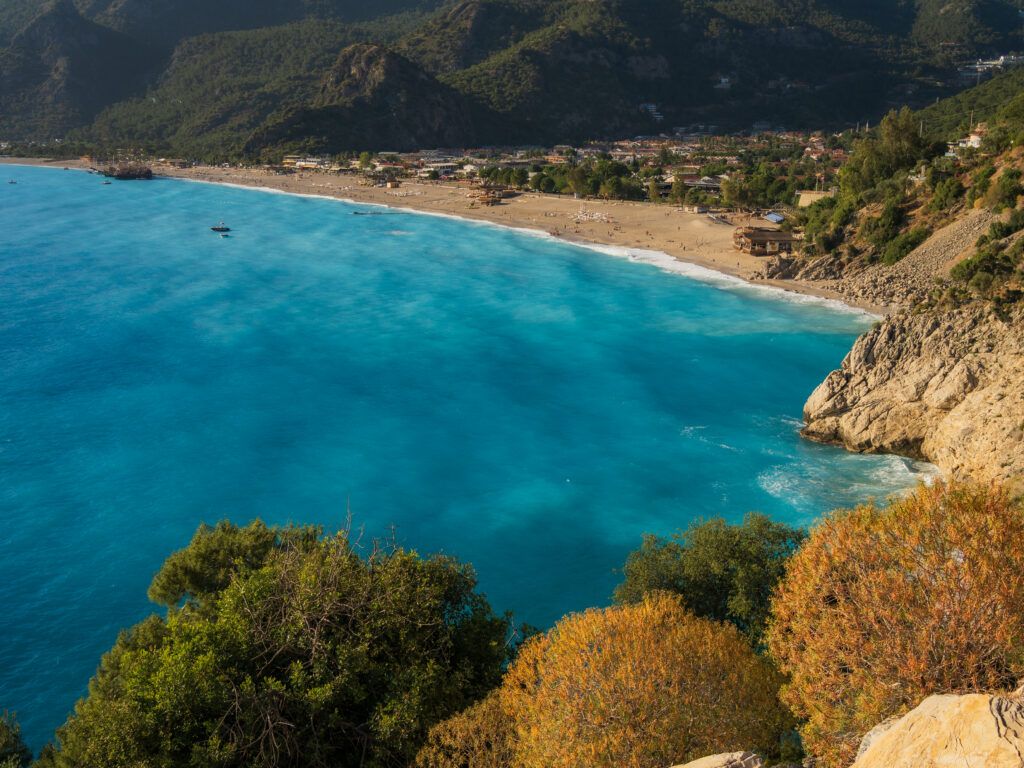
(883, 606)
(478, 737)
(639, 686)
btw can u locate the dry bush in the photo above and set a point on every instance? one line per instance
(479, 737)
(883, 606)
(638, 686)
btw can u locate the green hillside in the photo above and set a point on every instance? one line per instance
(951, 117)
(221, 76)
(259, 72)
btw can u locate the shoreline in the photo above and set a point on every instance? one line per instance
(701, 264)
(689, 244)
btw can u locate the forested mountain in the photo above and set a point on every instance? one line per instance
(373, 98)
(61, 69)
(170, 21)
(219, 77)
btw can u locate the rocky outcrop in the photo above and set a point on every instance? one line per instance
(973, 730)
(946, 387)
(729, 760)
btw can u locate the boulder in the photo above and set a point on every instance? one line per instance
(972, 730)
(728, 760)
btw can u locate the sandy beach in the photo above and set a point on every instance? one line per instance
(688, 237)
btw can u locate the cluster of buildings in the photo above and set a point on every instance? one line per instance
(973, 72)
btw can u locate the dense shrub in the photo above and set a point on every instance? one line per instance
(722, 572)
(1002, 229)
(947, 193)
(980, 183)
(301, 653)
(903, 244)
(480, 737)
(1006, 190)
(639, 686)
(13, 752)
(885, 227)
(997, 259)
(883, 606)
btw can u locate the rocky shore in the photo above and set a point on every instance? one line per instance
(938, 386)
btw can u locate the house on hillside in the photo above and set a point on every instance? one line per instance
(762, 241)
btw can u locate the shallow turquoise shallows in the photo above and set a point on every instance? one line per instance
(527, 405)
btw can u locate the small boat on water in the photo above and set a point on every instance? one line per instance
(12, 181)
(221, 228)
(105, 183)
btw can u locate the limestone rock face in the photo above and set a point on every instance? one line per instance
(728, 760)
(942, 387)
(975, 730)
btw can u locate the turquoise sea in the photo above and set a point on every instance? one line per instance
(527, 405)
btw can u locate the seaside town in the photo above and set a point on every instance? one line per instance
(756, 183)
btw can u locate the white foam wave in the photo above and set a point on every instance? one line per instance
(865, 477)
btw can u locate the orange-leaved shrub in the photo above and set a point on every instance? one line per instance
(639, 686)
(478, 737)
(883, 606)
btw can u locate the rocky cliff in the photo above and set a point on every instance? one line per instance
(946, 387)
(950, 730)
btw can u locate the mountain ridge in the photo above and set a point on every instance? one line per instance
(552, 70)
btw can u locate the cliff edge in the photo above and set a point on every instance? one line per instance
(944, 387)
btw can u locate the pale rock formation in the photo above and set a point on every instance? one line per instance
(946, 387)
(974, 731)
(728, 760)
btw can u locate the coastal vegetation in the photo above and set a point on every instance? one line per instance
(286, 647)
(14, 753)
(903, 182)
(283, 646)
(884, 605)
(722, 572)
(626, 686)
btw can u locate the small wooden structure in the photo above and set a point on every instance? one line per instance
(762, 241)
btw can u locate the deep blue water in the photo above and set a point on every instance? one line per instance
(524, 404)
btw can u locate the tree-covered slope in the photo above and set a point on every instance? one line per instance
(951, 117)
(469, 31)
(62, 69)
(373, 98)
(554, 70)
(220, 88)
(164, 22)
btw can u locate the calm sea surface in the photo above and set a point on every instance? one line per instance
(524, 404)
